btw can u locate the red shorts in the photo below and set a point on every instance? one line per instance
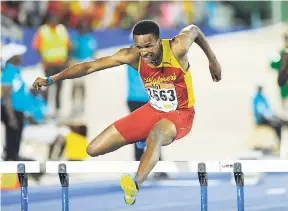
(137, 125)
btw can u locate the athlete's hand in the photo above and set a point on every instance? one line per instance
(215, 70)
(39, 82)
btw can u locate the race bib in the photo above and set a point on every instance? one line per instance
(162, 96)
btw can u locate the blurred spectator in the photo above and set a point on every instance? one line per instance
(11, 10)
(39, 129)
(136, 98)
(109, 17)
(124, 14)
(264, 115)
(276, 65)
(31, 13)
(13, 95)
(10, 32)
(135, 11)
(76, 142)
(189, 11)
(172, 14)
(84, 45)
(283, 73)
(53, 44)
(79, 10)
(59, 8)
(98, 14)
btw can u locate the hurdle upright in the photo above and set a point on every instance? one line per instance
(239, 179)
(23, 180)
(21, 168)
(203, 180)
(64, 180)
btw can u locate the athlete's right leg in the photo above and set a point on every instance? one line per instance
(107, 141)
(163, 133)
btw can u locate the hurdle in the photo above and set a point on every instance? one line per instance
(239, 179)
(21, 168)
(23, 179)
(203, 180)
(238, 168)
(64, 180)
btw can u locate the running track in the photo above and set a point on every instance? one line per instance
(181, 194)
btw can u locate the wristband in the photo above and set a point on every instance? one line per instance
(49, 80)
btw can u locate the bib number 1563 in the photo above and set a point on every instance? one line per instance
(162, 94)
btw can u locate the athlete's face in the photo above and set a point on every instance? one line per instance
(149, 47)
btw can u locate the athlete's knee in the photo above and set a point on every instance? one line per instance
(164, 131)
(92, 150)
(108, 141)
(89, 150)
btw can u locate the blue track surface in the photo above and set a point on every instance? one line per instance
(270, 194)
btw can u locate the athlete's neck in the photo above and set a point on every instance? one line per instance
(158, 61)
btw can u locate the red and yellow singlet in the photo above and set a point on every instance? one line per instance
(168, 85)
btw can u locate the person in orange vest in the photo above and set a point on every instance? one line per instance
(53, 45)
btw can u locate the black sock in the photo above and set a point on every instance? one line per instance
(136, 184)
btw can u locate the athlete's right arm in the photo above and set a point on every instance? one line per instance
(123, 56)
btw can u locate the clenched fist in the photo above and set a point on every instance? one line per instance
(39, 82)
(215, 70)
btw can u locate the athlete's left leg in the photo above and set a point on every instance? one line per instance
(172, 126)
(162, 134)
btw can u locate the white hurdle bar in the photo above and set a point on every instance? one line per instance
(168, 166)
(126, 166)
(11, 166)
(256, 166)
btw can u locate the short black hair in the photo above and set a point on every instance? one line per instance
(146, 27)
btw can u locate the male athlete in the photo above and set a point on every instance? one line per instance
(165, 71)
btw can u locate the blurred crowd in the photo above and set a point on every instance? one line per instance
(264, 115)
(124, 14)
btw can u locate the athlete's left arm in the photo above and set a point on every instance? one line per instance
(191, 34)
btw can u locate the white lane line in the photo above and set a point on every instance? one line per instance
(263, 207)
(276, 191)
(180, 183)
